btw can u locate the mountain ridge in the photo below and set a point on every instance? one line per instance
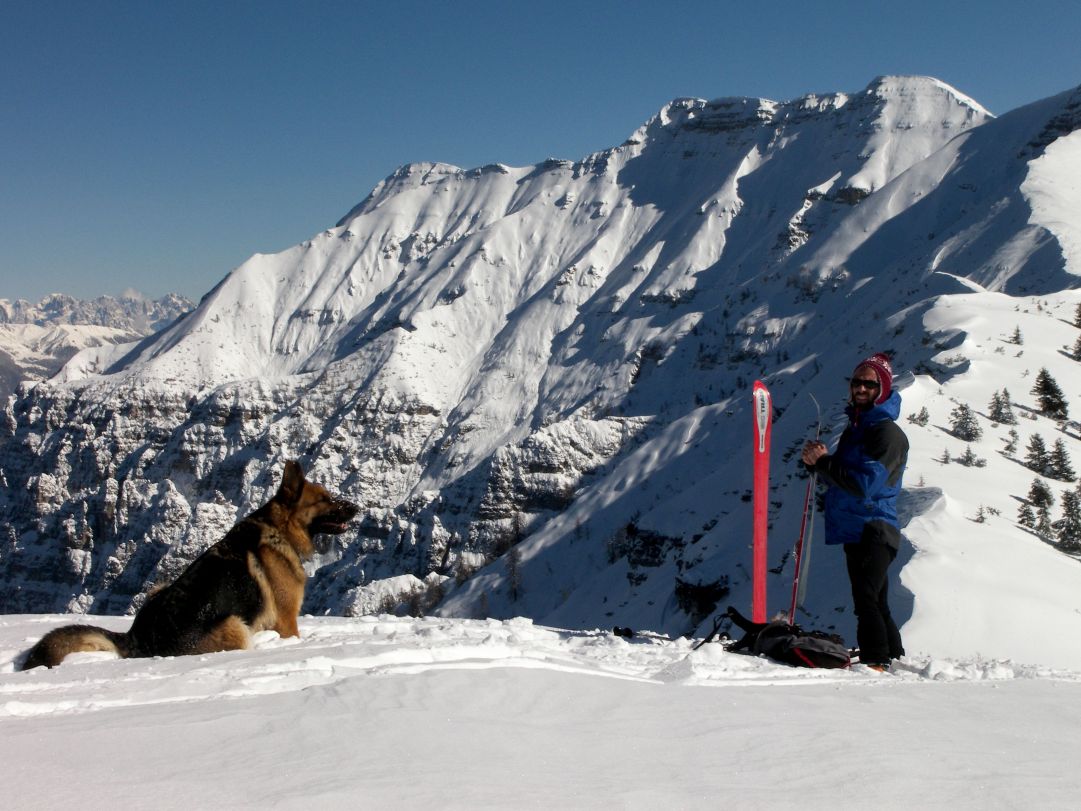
(38, 338)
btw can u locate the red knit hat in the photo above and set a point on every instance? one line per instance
(880, 365)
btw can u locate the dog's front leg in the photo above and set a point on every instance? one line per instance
(288, 601)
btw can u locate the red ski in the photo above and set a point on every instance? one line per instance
(763, 419)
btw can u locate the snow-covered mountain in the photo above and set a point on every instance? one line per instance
(131, 311)
(37, 339)
(536, 380)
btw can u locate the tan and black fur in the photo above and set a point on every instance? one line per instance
(251, 580)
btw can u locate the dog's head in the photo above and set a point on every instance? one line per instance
(311, 507)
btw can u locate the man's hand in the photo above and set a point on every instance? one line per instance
(813, 451)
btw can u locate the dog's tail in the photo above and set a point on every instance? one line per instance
(59, 642)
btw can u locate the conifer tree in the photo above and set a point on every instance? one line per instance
(1036, 456)
(1000, 410)
(1068, 528)
(1040, 495)
(922, 417)
(1076, 351)
(1059, 463)
(1025, 516)
(970, 459)
(1043, 526)
(1017, 338)
(963, 423)
(1077, 316)
(1051, 399)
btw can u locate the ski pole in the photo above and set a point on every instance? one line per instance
(805, 559)
(799, 571)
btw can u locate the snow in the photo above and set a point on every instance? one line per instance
(1053, 189)
(974, 582)
(37, 345)
(416, 713)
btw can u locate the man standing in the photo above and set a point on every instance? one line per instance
(864, 478)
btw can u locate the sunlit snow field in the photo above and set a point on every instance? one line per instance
(422, 713)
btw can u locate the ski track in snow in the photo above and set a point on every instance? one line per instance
(333, 650)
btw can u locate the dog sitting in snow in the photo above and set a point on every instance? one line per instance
(251, 580)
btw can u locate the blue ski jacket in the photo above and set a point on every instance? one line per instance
(864, 476)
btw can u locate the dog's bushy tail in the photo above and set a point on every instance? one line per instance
(59, 642)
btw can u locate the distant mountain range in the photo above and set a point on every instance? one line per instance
(36, 339)
(537, 379)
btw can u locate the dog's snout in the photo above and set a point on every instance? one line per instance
(346, 509)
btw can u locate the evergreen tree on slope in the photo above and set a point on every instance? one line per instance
(1000, 410)
(1068, 528)
(963, 424)
(1036, 456)
(1059, 463)
(1042, 498)
(1050, 397)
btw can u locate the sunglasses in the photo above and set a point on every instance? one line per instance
(858, 382)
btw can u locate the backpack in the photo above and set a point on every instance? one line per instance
(790, 644)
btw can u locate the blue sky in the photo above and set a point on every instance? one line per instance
(156, 146)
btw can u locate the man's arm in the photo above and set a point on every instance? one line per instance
(885, 449)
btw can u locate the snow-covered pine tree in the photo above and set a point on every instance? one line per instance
(1040, 495)
(1036, 456)
(963, 423)
(922, 417)
(1017, 338)
(1077, 316)
(1044, 527)
(1050, 397)
(1076, 351)
(1068, 528)
(1000, 410)
(970, 459)
(1025, 516)
(1059, 463)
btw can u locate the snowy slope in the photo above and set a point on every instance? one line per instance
(377, 711)
(536, 379)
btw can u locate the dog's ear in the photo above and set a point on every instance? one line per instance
(292, 483)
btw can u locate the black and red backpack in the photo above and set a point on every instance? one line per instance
(789, 644)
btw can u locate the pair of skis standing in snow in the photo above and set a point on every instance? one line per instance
(864, 479)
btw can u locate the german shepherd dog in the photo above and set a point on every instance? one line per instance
(251, 580)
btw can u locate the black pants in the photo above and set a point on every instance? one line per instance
(876, 633)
